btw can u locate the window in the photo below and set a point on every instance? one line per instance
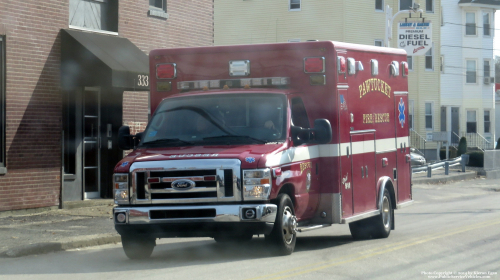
(487, 122)
(441, 64)
(471, 72)
(2, 105)
(158, 8)
(471, 122)
(379, 5)
(486, 24)
(299, 114)
(294, 5)
(94, 15)
(411, 114)
(486, 69)
(379, 43)
(429, 60)
(409, 59)
(429, 6)
(405, 4)
(158, 4)
(429, 116)
(470, 24)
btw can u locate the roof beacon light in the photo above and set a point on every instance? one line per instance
(314, 65)
(404, 68)
(166, 71)
(341, 65)
(239, 67)
(395, 68)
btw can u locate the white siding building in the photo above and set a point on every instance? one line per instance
(467, 83)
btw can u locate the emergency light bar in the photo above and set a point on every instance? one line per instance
(404, 68)
(234, 83)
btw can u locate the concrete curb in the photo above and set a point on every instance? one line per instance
(48, 247)
(445, 178)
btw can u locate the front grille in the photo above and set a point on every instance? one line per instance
(181, 181)
(182, 214)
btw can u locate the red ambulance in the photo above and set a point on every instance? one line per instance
(271, 139)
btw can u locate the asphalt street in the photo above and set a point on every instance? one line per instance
(451, 231)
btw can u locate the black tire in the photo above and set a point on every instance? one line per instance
(138, 248)
(233, 239)
(378, 226)
(382, 224)
(284, 235)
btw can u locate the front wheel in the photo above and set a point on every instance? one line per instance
(138, 248)
(284, 233)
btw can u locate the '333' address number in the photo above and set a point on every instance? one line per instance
(143, 80)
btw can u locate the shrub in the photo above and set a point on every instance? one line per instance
(462, 146)
(442, 153)
(476, 159)
(498, 144)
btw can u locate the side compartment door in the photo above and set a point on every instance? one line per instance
(402, 172)
(363, 171)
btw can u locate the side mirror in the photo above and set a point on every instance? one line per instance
(322, 131)
(125, 140)
(320, 134)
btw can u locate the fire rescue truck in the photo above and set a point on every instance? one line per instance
(271, 139)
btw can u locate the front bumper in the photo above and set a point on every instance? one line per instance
(184, 221)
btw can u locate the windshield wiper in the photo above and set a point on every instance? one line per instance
(168, 140)
(235, 136)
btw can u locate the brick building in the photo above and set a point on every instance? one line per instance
(71, 73)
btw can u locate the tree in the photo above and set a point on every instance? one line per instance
(462, 146)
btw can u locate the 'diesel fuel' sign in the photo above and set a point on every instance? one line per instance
(415, 37)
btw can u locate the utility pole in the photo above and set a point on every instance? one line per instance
(389, 20)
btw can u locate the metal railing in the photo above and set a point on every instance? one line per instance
(474, 140)
(417, 141)
(462, 160)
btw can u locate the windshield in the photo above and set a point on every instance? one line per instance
(218, 119)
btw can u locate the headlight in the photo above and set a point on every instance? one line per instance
(120, 183)
(256, 184)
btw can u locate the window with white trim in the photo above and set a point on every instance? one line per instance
(409, 59)
(487, 122)
(471, 121)
(441, 64)
(429, 6)
(405, 4)
(486, 69)
(429, 116)
(2, 106)
(471, 75)
(294, 5)
(158, 8)
(379, 43)
(470, 23)
(486, 24)
(429, 59)
(379, 5)
(96, 15)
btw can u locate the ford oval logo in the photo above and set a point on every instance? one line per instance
(183, 184)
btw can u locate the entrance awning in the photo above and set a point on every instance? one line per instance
(89, 59)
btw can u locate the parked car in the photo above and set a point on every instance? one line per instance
(417, 159)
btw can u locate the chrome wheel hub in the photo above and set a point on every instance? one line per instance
(289, 225)
(386, 212)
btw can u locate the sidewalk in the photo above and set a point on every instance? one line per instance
(89, 223)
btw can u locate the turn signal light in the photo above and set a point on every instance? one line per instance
(341, 64)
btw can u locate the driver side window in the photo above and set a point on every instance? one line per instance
(299, 114)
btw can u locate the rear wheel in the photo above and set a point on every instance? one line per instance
(378, 226)
(284, 233)
(138, 248)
